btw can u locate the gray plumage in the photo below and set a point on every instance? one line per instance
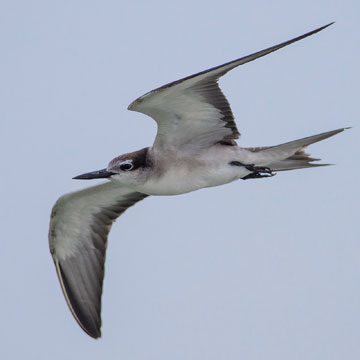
(194, 148)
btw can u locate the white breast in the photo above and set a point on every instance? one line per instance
(174, 175)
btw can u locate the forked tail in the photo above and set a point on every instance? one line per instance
(290, 155)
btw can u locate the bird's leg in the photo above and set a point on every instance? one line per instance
(258, 172)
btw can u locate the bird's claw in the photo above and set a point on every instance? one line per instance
(258, 172)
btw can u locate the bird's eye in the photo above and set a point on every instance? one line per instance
(126, 166)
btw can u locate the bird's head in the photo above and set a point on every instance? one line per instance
(127, 169)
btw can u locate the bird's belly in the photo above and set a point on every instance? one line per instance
(181, 181)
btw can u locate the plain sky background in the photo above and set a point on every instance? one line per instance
(261, 269)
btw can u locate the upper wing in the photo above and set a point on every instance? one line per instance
(193, 111)
(79, 227)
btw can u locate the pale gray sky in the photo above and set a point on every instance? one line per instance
(263, 269)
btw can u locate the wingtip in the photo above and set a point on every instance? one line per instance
(320, 28)
(95, 335)
(92, 331)
(325, 26)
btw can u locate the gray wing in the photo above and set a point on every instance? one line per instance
(193, 112)
(79, 227)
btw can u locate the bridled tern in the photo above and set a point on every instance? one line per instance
(194, 148)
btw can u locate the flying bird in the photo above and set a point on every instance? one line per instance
(194, 148)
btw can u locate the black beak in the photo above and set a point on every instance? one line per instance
(103, 173)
